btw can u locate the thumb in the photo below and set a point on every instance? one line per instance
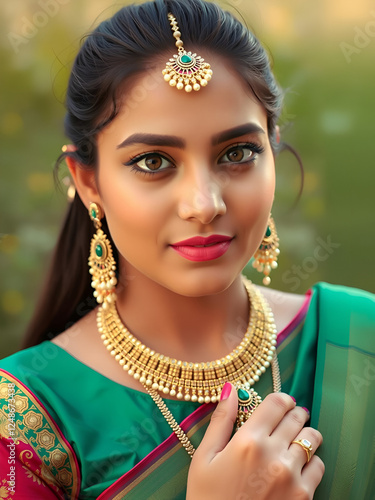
(220, 429)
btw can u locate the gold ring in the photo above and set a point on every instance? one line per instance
(306, 445)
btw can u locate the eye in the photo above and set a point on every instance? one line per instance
(241, 153)
(150, 163)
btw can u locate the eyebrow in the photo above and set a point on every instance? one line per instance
(232, 133)
(154, 140)
(178, 142)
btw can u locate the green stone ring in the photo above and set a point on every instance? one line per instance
(244, 397)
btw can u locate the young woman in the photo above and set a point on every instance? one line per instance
(187, 381)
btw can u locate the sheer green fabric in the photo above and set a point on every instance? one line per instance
(343, 320)
(326, 362)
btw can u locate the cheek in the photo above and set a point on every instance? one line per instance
(253, 196)
(249, 205)
(134, 214)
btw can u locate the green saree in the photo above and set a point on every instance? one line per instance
(88, 437)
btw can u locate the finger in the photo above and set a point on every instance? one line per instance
(298, 453)
(220, 429)
(313, 472)
(291, 425)
(270, 412)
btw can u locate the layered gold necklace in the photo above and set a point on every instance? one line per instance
(199, 382)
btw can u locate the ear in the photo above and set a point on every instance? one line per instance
(84, 181)
(277, 134)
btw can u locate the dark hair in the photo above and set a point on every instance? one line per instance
(118, 49)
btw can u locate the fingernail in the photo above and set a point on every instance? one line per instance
(306, 410)
(227, 388)
(294, 399)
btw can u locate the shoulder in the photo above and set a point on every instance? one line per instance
(24, 372)
(41, 377)
(34, 371)
(285, 306)
(39, 371)
(28, 362)
(29, 375)
(329, 291)
(346, 300)
(335, 305)
(75, 339)
(344, 316)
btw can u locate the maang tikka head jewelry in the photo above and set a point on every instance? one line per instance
(185, 70)
(101, 261)
(265, 258)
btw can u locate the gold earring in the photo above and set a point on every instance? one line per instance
(265, 258)
(101, 262)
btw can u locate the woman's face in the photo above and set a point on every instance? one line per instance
(175, 166)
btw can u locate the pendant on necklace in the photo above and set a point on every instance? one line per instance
(248, 401)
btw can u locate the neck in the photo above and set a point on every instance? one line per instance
(186, 328)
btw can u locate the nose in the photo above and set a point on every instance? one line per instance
(202, 199)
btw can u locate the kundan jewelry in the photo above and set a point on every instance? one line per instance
(185, 70)
(265, 258)
(202, 381)
(101, 261)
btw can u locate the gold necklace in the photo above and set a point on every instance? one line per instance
(202, 381)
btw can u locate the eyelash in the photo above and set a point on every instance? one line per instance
(257, 149)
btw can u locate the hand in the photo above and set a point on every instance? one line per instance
(259, 462)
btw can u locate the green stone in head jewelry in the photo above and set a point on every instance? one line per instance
(185, 70)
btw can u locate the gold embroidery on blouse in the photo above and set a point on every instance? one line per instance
(4, 492)
(33, 426)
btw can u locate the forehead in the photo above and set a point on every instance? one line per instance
(151, 105)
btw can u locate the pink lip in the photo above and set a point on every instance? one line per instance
(196, 249)
(201, 240)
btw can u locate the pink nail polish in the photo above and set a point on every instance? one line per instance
(306, 410)
(227, 388)
(294, 399)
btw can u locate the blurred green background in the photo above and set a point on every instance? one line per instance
(323, 53)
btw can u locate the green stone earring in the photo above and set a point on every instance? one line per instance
(265, 258)
(101, 262)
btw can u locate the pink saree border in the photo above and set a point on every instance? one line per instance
(171, 441)
(54, 426)
(298, 318)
